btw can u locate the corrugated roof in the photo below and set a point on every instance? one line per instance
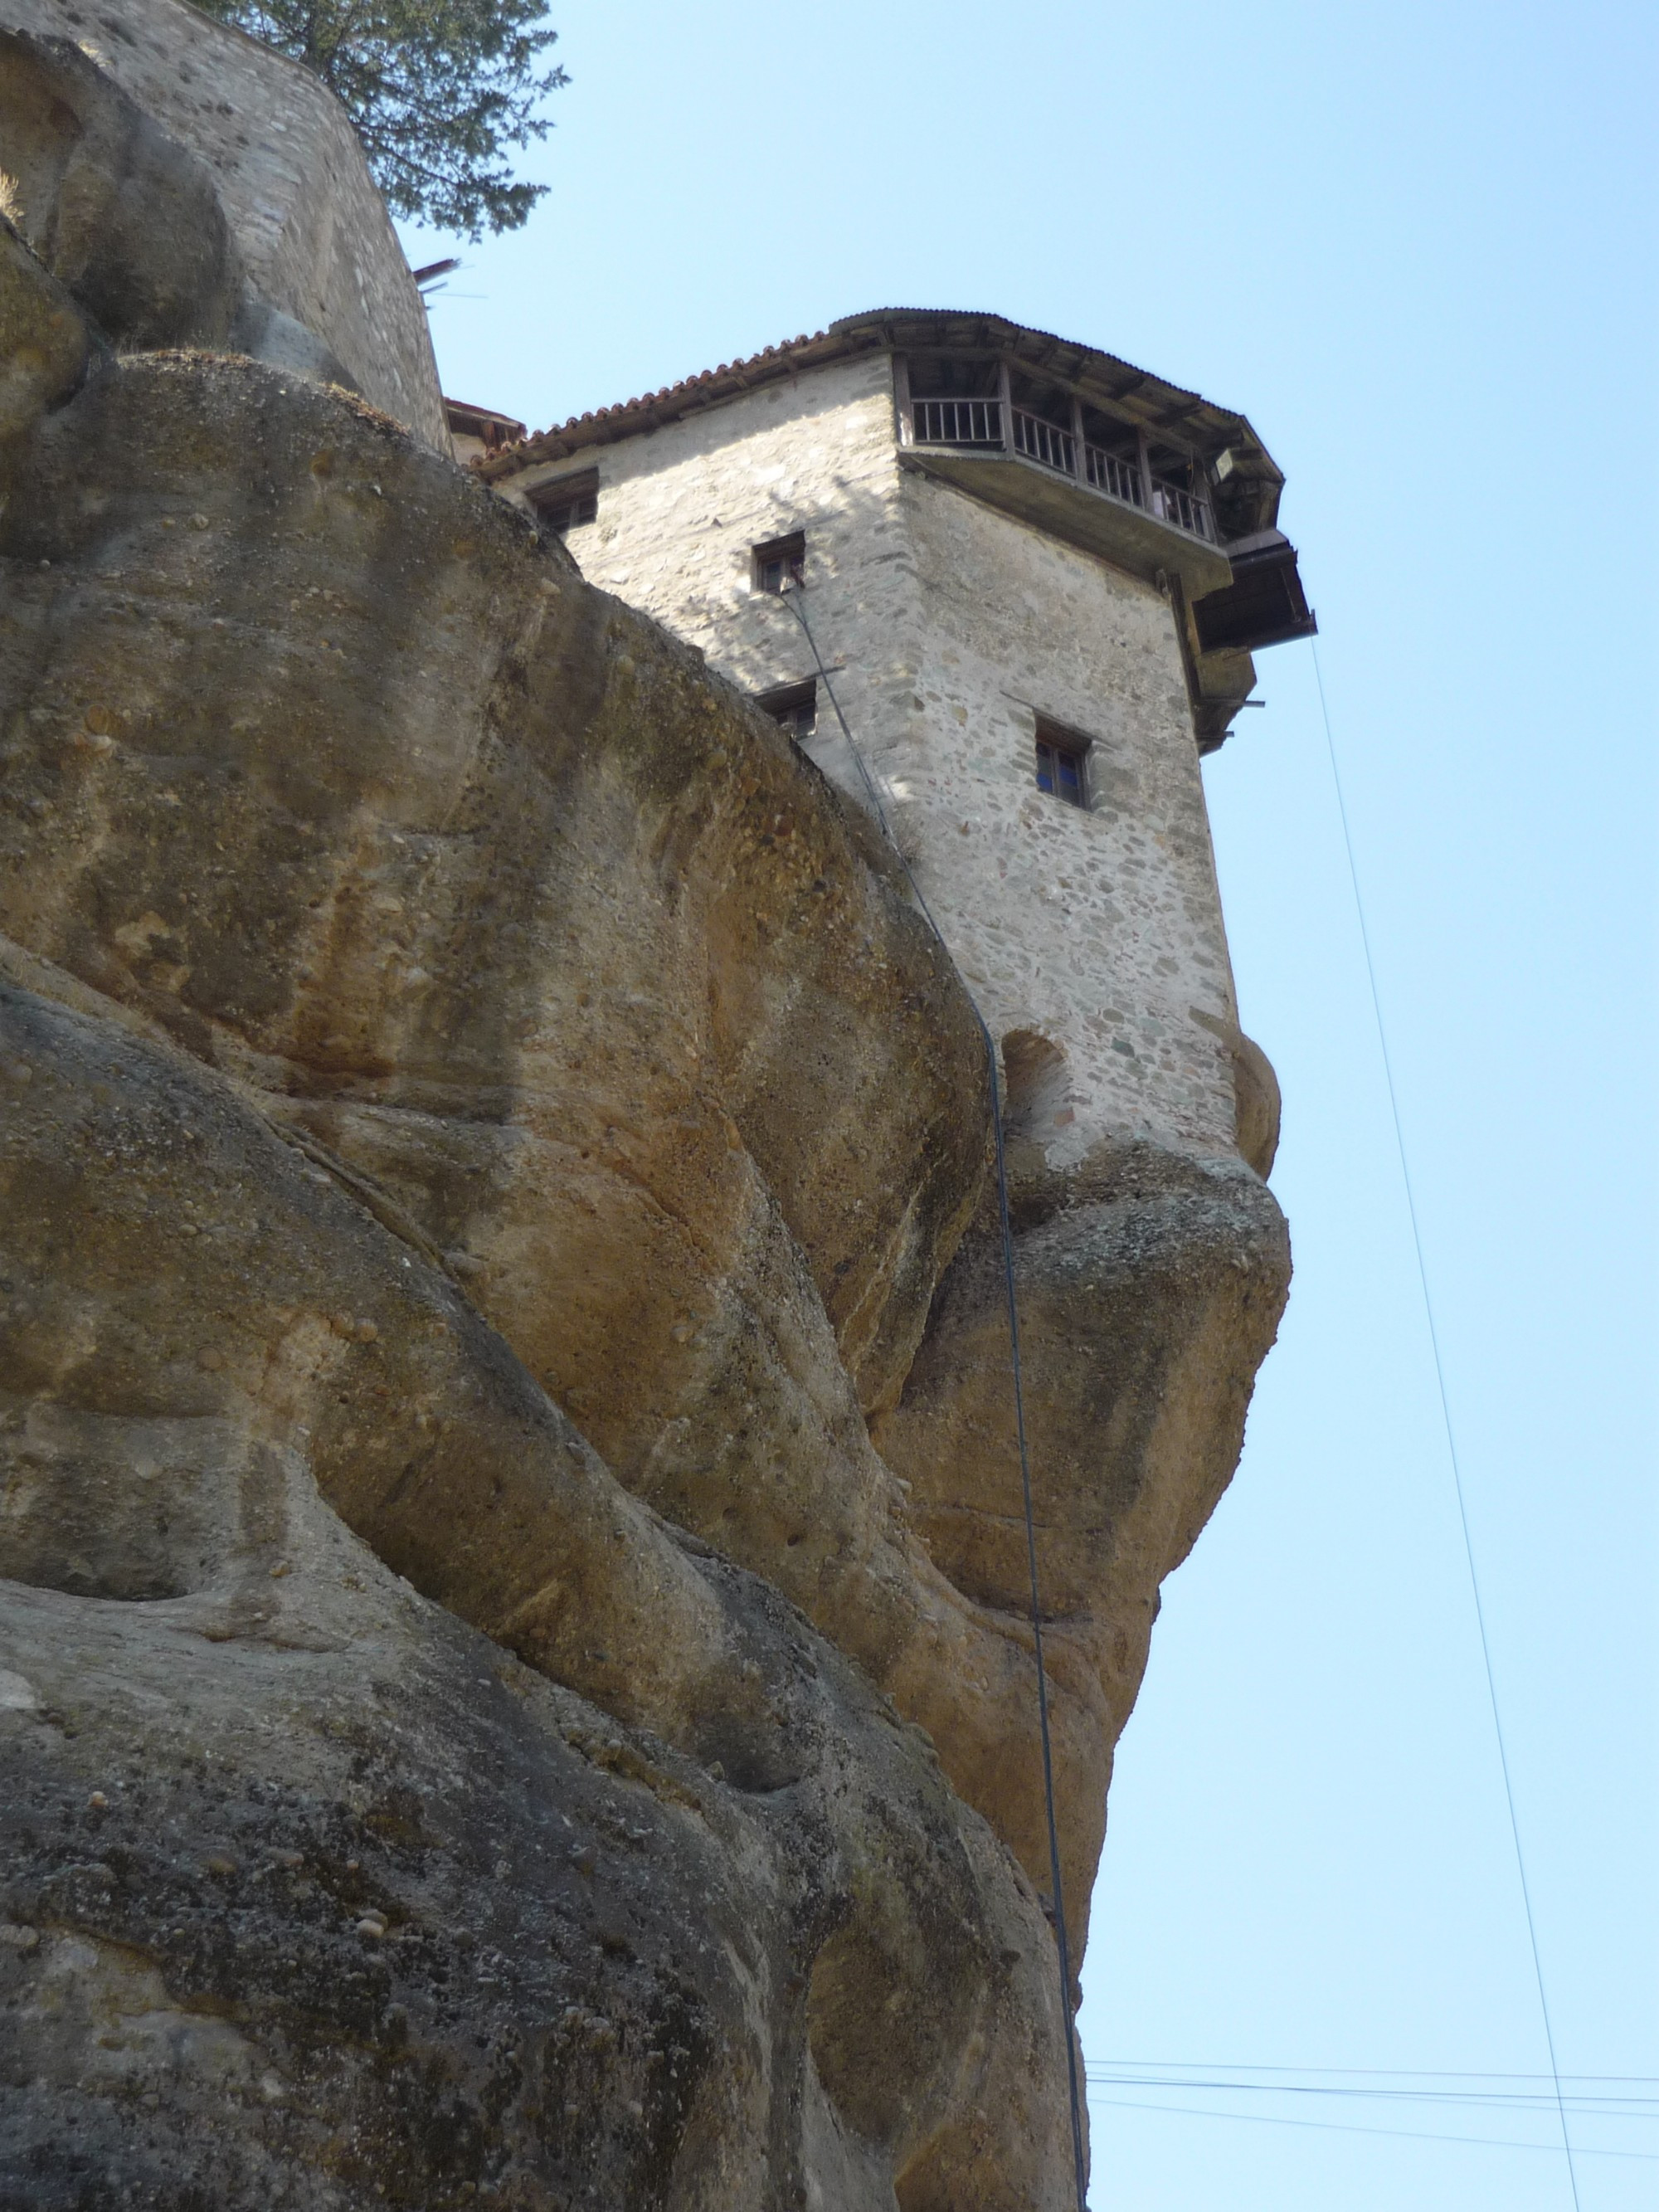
(1134, 391)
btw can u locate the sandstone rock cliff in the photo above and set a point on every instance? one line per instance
(208, 188)
(517, 1684)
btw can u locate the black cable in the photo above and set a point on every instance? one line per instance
(792, 600)
(1451, 1438)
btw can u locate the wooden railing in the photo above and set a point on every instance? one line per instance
(1117, 477)
(1044, 441)
(1182, 508)
(978, 424)
(958, 422)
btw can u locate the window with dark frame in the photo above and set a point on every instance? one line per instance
(1063, 763)
(779, 565)
(793, 708)
(564, 502)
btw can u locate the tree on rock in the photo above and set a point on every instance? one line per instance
(437, 88)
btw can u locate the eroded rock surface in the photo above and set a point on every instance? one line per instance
(506, 1403)
(220, 868)
(198, 188)
(315, 1894)
(122, 215)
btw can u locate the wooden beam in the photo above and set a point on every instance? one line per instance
(902, 403)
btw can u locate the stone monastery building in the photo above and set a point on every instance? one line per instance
(1027, 579)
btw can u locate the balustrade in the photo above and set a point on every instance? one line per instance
(978, 424)
(958, 422)
(1177, 505)
(1044, 441)
(1117, 477)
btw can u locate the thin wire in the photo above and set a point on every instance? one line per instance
(1451, 1438)
(1370, 2073)
(1527, 2101)
(792, 599)
(1350, 2128)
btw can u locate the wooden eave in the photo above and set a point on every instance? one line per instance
(1101, 379)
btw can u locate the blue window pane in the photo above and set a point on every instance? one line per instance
(1059, 772)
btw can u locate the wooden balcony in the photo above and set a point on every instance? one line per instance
(1055, 477)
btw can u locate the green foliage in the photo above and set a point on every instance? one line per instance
(435, 87)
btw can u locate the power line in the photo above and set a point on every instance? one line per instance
(1451, 1437)
(1352, 2127)
(1370, 2073)
(1527, 2101)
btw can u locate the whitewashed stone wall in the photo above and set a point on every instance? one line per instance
(1101, 930)
(946, 626)
(309, 223)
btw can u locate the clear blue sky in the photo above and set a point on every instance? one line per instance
(1414, 243)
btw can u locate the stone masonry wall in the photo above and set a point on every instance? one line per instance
(311, 228)
(1099, 930)
(680, 508)
(947, 625)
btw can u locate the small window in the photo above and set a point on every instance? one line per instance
(1063, 763)
(793, 707)
(565, 501)
(781, 563)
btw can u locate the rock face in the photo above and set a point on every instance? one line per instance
(207, 186)
(316, 1893)
(119, 213)
(515, 1684)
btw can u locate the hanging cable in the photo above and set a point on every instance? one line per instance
(791, 599)
(1451, 1437)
